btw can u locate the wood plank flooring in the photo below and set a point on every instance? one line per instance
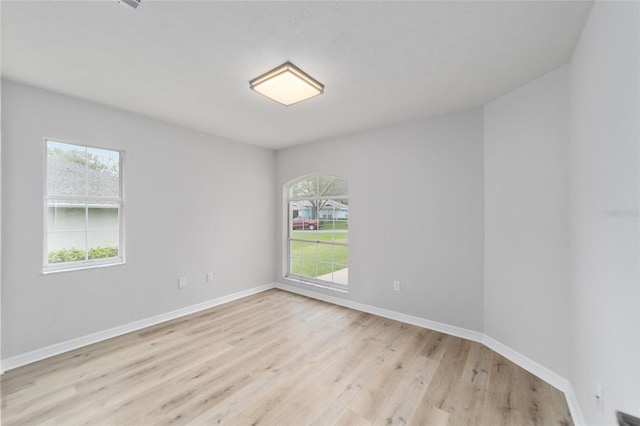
(276, 358)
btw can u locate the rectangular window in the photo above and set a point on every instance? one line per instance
(83, 207)
(318, 231)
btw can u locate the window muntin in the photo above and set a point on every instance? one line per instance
(318, 230)
(83, 207)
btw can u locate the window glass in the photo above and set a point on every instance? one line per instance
(318, 230)
(83, 199)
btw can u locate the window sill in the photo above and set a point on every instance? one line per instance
(81, 267)
(316, 284)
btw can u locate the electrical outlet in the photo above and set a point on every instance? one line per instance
(209, 277)
(396, 285)
(182, 282)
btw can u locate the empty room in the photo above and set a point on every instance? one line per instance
(320, 213)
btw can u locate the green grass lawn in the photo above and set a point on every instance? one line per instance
(338, 224)
(342, 237)
(311, 259)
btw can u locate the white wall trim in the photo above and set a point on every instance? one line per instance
(542, 372)
(531, 366)
(514, 356)
(59, 348)
(409, 319)
(527, 363)
(574, 407)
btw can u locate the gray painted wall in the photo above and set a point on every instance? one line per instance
(441, 172)
(604, 234)
(526, 220)
(431, 173)
(186, 195)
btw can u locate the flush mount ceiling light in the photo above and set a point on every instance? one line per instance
(287, 84)
(132, 3)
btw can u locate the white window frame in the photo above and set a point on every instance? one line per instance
(48, 268)
(287, 216)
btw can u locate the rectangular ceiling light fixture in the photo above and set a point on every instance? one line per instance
(133, 3)
(287, 84)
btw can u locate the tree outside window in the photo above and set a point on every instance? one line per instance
(318, 230)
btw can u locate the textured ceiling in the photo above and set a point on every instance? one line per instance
(189, 62)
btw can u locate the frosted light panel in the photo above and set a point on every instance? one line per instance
(287, 85)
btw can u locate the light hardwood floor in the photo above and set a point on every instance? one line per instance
(277, 358)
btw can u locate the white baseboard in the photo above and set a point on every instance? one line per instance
(531, 366)
(59, 348)
(516, 357)
(528, 364)
(543, 373)
(386, 313)
(574, 407)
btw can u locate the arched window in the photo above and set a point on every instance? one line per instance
(318, 230)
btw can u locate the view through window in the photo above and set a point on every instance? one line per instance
(318, 230)
(83, 206)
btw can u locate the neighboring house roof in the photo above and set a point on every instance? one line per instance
(66, 177)
(337, 205)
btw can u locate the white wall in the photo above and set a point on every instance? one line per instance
(186, 198)
(604, 234)
(553, 271)
(415, 214)
(526, 220)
